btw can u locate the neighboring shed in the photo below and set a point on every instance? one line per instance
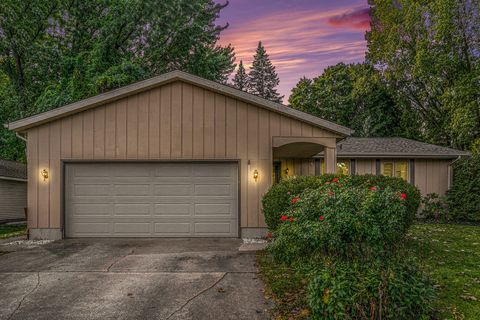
(13, 191)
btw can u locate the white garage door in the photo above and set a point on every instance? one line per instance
(151, 200)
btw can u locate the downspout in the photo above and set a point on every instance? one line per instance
(450, 173)
(19, 136)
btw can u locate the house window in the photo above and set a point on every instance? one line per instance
(343, 167)
(395, 169)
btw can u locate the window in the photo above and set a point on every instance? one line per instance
(387, 169)
(395, 169)
(343, 167)
(401, 169)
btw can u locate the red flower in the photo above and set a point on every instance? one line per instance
(373, 188)
(335, 179)
(283, 218)
(291, 219)
(322, 218)
(269, 235)
(294, 200)
(404, 196)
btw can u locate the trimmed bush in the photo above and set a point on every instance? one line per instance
(278, 199)
(434, 207)
(338, 218)
(463, 198)
(396, 289)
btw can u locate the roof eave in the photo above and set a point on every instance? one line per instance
(397, 155)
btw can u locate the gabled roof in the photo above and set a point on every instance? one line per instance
(393, 148)
(38, 119)
(12, 170)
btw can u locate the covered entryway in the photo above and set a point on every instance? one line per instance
(159, 199)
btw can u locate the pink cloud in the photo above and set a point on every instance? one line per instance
(355, 19)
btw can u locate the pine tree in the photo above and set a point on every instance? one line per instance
(240, 81)
(262, 78)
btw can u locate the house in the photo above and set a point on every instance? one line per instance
(13, 191)
(172, 156)
(425, 165)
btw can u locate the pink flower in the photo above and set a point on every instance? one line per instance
(322, 218)
(291, 219)
(283, 218)
(328, 182)
(288, 192)
(372, 188)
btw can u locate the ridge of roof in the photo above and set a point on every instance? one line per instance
(137, 87)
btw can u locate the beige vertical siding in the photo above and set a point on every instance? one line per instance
(176, 121)
(431, 175)
(365, 166)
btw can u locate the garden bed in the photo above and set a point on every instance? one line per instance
(449, 253)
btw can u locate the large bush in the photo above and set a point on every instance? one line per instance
(463, 198)
(279, 197)
(345, 234)
(394, 289)
(342, 219)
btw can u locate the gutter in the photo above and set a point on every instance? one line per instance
(19, 136)
(13, 179)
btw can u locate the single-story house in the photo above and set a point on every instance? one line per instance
(172, 156)
(425, 165)
(13, 191)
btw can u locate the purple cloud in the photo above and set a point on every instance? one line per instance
(355, 19)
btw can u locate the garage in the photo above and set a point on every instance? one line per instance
(151, 199)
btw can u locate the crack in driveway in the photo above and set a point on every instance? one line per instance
(197, 295)
(25, 296)
(118, 260)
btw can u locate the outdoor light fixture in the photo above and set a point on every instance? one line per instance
(44, 174)
(255, 174)
(286, 171)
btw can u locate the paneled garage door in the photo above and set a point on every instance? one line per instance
(151, 200)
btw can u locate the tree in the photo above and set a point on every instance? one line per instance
(428, 52)
(262, 78)
(59, 51)
(240, 81)
(354, 96)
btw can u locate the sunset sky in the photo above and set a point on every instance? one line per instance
(302, 37)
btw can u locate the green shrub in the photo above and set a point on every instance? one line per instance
(434, 207)
(463, 198)
(396, 289)
(340, 219)
(278, 199)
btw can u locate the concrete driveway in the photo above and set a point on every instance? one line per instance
(131, 279)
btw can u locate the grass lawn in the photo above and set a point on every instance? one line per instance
(450, 254)
(7, 231)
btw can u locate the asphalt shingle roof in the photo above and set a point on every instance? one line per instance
(12, 169)
(393, 147)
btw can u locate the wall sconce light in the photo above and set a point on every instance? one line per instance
(255, 174)
(286, 171)
(44, 174)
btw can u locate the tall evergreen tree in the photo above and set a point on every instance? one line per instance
(262, 78)
(240, 81)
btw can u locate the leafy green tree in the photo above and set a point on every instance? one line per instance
(240, 81)
(262, 78)
(428, 52)
(58, 51)
(351, 95)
